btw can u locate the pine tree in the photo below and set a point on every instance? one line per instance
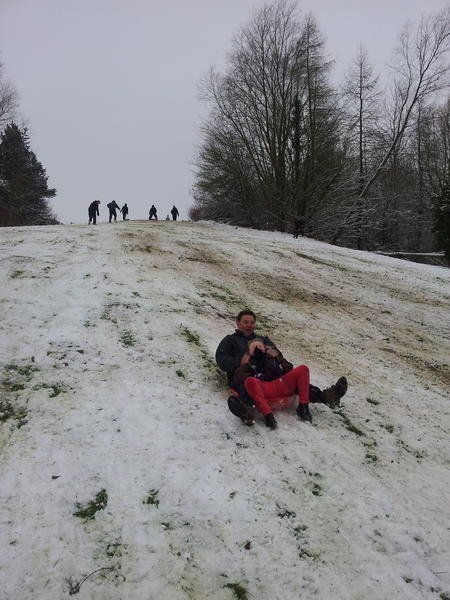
(23, 182)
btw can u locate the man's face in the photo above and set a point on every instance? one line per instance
(246, 324)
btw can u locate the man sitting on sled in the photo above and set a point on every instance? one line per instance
(260, 375)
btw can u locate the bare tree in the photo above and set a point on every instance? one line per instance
(254, 97)
(224, 186)
(275, 108)
(362, 95)
(420, 71)
(9, 100)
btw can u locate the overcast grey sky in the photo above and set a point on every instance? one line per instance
(109, 87)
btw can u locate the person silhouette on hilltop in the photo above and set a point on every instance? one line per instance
(93, 212)
(124, 211)
(152, 213)
(112, 210)
(175, 213)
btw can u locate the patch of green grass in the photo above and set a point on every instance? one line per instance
(349, 425)
(114, 549)
(284, 512)
(74, 586)
(388, 427)
(191, 337)
(240, 592)
(180, 374)
(17, 387)
(372, 401)
(300, 530)
(304, 551)
(152, 498)
(217, 296)
(55, 388)
(87, 511)
(370, 457)
(23, 370)
(241, 445)
(9, 411)
(6, 410)
(16, 274)
(307, 553)
(107, 314)
(419, 454)
(225, 295)
(127, 338)
(317, 490)
(319, 261)
(208, 361)
(264, 323)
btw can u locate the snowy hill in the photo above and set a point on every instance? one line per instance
(124, 476)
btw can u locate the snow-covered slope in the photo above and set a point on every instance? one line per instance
(110, 393)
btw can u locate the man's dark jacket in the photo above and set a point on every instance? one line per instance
(93, 209)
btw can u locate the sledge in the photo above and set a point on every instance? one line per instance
(246, 410)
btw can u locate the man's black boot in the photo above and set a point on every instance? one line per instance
(243, 409)
(270, 421)
(303, 413)
(332, 395)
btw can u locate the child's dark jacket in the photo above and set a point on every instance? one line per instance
(268, 370)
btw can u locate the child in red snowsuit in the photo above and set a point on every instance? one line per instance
(270, 382)
(266, 394)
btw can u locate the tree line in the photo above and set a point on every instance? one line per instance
(24, 190)
(360, 164)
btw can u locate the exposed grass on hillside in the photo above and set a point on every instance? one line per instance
(88, 511)
(209, 362)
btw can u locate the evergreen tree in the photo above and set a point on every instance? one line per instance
(23, 182)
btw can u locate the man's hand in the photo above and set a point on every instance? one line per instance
(253, 345)
(245, 359)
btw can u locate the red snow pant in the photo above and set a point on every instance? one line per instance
(266, 394)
